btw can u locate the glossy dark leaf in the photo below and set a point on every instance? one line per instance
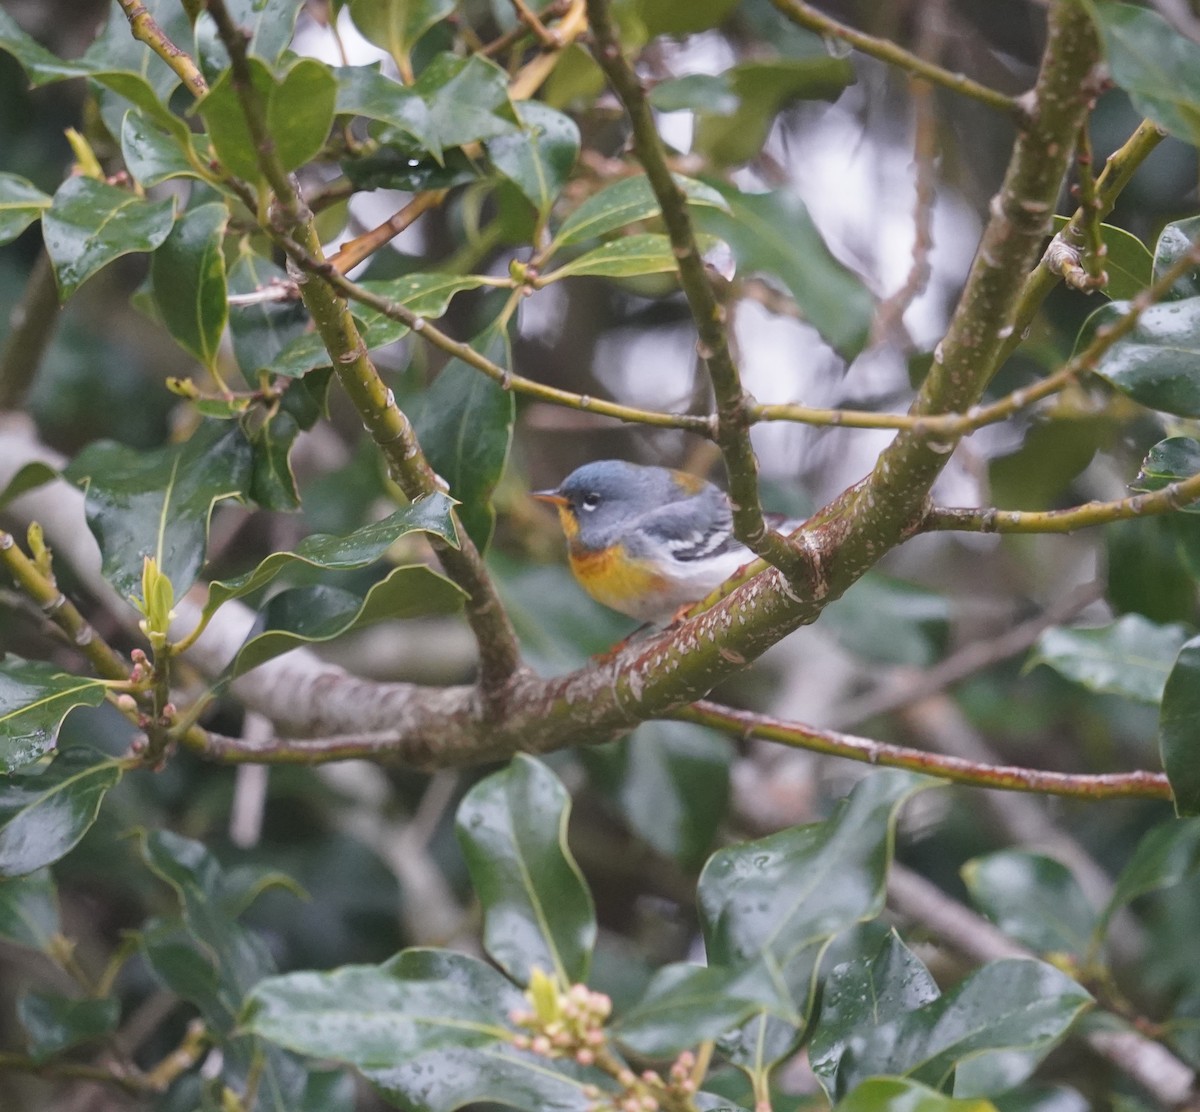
(1174, 242)
(711, 94)
(43, 815)
(1170, 461)
(267, 24)
(1178, 725)
(828, 295)
(53, 1023)
(627, 257)
(158, 503)
(364, 91)
(383, 1016)
(762, 88)
(1157, 66)
(29, 477)
(91, 223)
(1167, 855)
(300, 355)
(29, 909)
(467, 100)
(539, 158)
(396, 25)
(670, 783)
(34, 699)
(464, 422)
(1127, 263)
(303, 615)
(272, 483)
(263, 329)
(152, 154)
(1009, 1005)
(1032, 898)
(1132, 656)
(188, 272)
(1155, 364)
(866, 994)
(624, 203)
(364, 546)
(669, 17)
(299, 113)
(537, 910)
(21, 203)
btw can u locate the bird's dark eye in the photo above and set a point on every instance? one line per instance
(590, 501)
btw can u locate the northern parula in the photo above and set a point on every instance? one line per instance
(646, 541)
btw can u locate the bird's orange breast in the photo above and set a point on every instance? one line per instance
(613, 578)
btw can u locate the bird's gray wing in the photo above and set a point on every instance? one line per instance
(696, 528)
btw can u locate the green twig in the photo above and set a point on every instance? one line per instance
(32, 322)
(144, 28)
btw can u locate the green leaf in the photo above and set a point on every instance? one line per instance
(364, 546)
(21, 203)
(1128, 264)
(299, 113)
(158, 503)
(267, 24)
(272, 483)
(304, 353)
(866, 993)
(304, 615)
(669, 17)
(378, 1017)
(1175, 241)
(396, 25)
(1178, 726)
(897, 1094)
(34, 699)
(152, 154)
(364, 91)
(1157, 66)
(1010, 1005)
(669, 782)
(537, 910)
(43, 815)
(827, 294)
(29, 909)
(467, 100)
(53, 1023)
(1155, 363)
(188, 273)
(90, 224)
(1131, 657)
(762, 89)
(29, 477)
(263, 329)
(892, 620)
(1032, 898)
(626, 202)
(464, 422)
(710, 94)
(1167, 855)
(426, 294)
(1169, 461)
(539, 159)
(627, 257)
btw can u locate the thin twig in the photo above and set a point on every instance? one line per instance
(144, 28)
(31, 324)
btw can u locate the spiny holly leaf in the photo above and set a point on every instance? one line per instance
(539, 159)
(626, 202)
(188, 273)
(467, 100)
(1131, 657)
(364, 546)
(396, 25)
(299, 113)
(537, 910)
(91, 223)
(1170, 461)
(303, 615)
(34, 699)
(21, 203)
(158, 503)
(43, 815)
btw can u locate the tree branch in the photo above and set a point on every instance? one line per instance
(32, 322)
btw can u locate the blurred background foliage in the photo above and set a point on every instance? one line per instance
(374, 848)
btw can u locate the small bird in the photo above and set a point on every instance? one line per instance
(646, 541)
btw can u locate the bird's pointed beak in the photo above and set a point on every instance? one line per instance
(550, 496)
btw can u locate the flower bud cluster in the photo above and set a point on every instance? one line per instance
(563, 1024)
